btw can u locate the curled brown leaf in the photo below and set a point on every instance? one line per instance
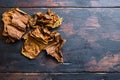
(49, 19)
(15, 22)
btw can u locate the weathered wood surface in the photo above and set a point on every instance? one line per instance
(92, 31)
(60, 3)
(93, 43)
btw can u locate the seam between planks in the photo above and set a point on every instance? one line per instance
(51, 73)
(63, 7)
(81, 72)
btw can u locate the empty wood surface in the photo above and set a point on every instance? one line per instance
(92, 51)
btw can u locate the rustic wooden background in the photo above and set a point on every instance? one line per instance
(92, 51)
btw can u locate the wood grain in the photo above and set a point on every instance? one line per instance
(59, 76)
(59, 3)
(93, 43)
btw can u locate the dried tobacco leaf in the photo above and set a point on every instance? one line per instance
(15, 22)
(53, 48)
(35, 41)
(49, 19)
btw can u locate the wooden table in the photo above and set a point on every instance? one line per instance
(92, 51)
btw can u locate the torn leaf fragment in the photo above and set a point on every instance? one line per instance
(53, 48)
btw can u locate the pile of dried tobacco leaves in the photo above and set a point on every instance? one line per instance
(35, 31)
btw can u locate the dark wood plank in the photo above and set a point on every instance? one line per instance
(44, 3)
(59, 3)
(93, 43)
(59, 76)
